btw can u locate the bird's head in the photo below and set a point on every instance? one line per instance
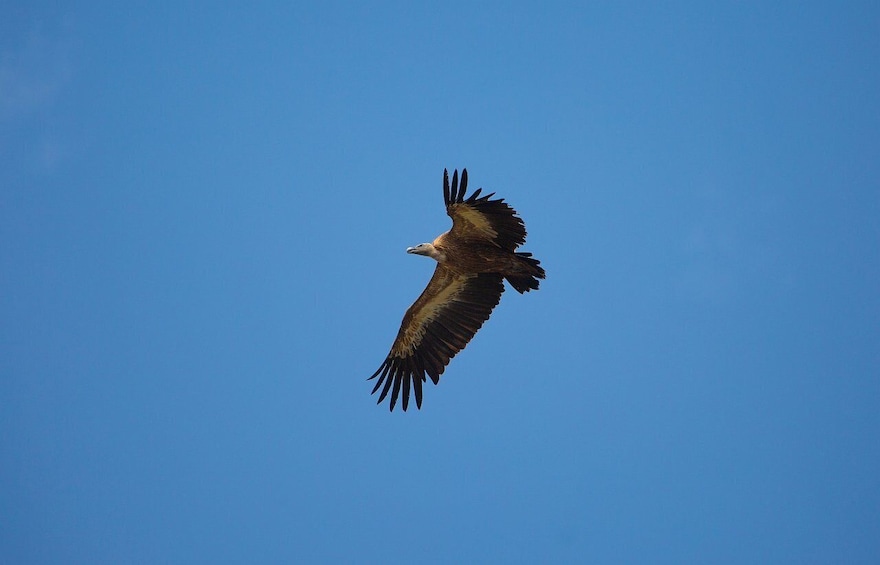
(427, 249)
(421, 249)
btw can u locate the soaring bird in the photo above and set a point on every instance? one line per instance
(473, 259)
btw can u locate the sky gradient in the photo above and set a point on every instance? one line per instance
(203, 218)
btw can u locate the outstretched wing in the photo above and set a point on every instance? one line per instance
(436, 327)
(479, 218)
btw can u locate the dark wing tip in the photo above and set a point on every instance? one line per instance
(406, 381)
(398, 375)
(454, 193)
(418, 390)
(395, 392)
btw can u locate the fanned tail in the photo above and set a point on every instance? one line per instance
(532, 272)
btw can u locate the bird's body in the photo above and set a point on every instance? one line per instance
(473, 259)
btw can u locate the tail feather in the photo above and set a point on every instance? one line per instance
(532, 272)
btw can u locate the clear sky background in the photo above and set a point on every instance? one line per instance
(203, 217)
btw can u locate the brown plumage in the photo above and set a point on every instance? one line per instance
(473, 259)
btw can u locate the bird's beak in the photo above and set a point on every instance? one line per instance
(410, 249)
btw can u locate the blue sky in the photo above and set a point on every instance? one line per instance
(203, 217)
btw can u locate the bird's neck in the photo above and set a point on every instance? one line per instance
(436, 253)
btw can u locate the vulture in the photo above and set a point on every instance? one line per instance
(473, 259)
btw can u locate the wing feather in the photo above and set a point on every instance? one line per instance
(481, 218)
(438, 325)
